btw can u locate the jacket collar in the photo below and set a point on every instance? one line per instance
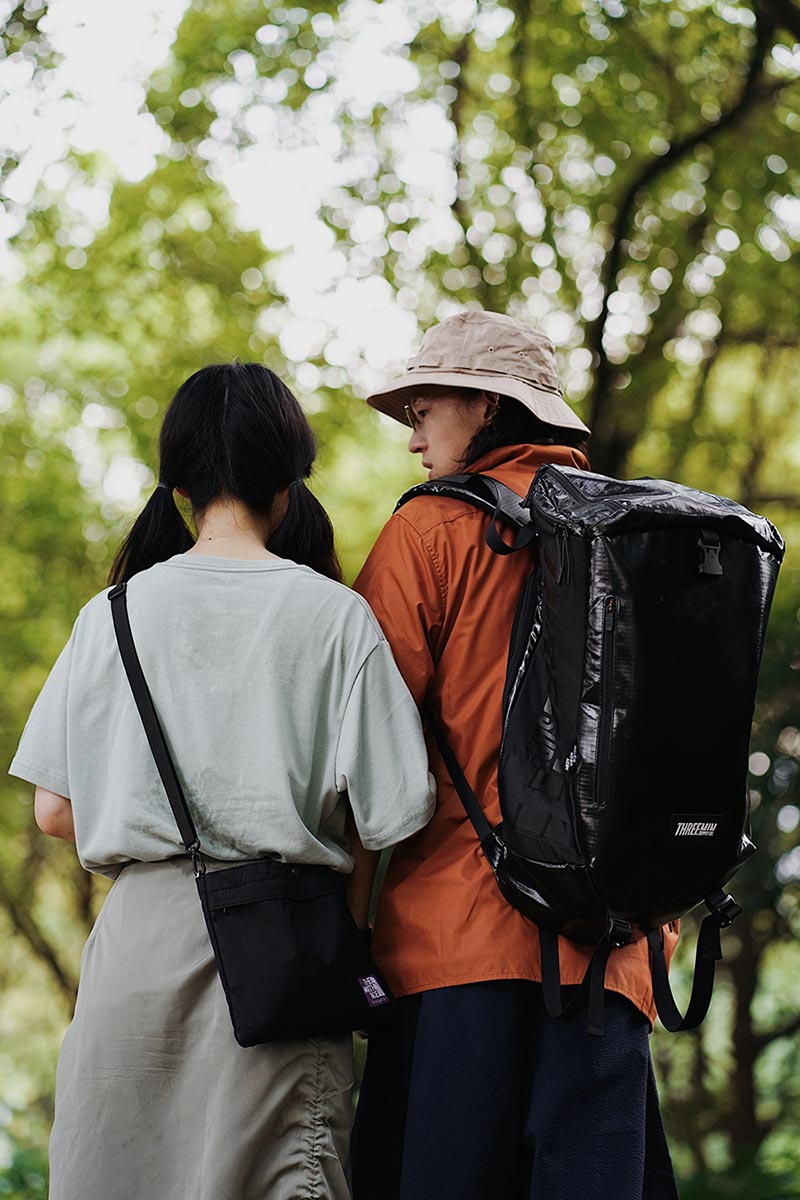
(516, 465)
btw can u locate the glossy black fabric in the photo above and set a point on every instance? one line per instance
(475, 1093)
(629, 700)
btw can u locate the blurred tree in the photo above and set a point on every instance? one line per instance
(26, 45)
(621, 174)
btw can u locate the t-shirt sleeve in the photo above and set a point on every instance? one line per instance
(381, 757)
(401, 584)
(41, 756)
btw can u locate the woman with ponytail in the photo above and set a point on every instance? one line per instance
(234, 438)
(294, 738)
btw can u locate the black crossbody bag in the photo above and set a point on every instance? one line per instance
(291, 959)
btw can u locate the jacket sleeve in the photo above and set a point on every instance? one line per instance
(402, 583)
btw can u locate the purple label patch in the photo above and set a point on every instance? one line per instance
(373, 992)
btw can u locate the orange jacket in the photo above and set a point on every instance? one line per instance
(446, 604)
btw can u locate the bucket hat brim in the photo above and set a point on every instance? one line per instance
(547, 405)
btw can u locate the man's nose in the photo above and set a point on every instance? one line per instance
(416, 443)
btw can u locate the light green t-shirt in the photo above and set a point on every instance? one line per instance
(279, 699)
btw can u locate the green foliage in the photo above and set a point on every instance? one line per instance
(741, 1183)
(25, 1178)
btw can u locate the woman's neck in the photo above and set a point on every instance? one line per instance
(228, 529)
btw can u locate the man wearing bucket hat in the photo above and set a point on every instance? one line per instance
(487, 352)
(473, 1091)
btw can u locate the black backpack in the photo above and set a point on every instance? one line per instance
(628, 702)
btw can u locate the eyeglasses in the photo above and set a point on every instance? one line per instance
(411, 417)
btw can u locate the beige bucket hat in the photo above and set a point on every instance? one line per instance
(490, 352)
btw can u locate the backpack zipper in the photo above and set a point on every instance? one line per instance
(569, 486)
(606, 727)
(547, 515)
(563, 556)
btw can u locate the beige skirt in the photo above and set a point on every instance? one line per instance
(154, 1097)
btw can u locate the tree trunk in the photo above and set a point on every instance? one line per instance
(746, 1131)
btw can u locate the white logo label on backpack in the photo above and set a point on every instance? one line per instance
(695, 825)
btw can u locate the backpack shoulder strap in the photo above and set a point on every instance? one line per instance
(490, 496)
(466, 795)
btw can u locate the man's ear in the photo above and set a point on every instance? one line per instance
(492, 403)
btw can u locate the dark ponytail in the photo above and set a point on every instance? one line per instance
(232, 431)
(305, 535)
(158, 532)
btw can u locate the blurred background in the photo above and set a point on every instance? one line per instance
(312, 186)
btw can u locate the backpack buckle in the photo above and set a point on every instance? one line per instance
(723, 907)
(708, 544)
(618, 930)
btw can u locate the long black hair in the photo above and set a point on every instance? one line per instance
(515, 425)
(232, 430)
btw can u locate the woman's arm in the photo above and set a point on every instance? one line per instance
(54, 814)
(358, 888)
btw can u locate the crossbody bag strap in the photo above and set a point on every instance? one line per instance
(152, 728)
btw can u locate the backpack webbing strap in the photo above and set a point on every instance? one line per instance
(591, 990)
(152, 728)
(722, 910)
(490, 496)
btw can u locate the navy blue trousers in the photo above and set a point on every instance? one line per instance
(474, 1093)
